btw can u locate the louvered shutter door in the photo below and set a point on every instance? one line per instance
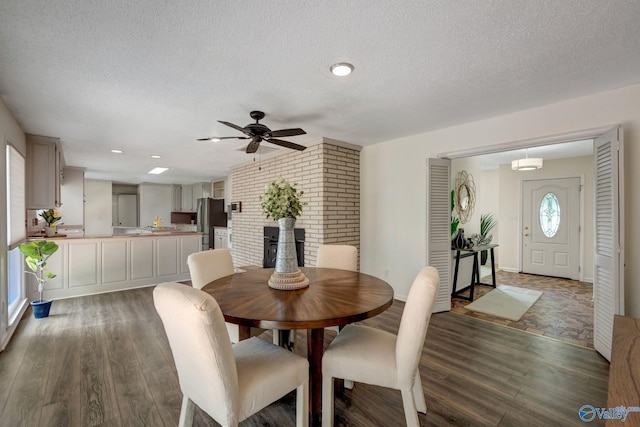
(439, 228)
(608, 283)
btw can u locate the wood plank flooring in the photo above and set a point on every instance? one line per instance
(104, 360)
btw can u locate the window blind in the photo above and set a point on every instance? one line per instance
(16, 211)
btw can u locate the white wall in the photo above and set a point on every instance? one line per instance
(97, 209)
(393, 180)
(155, 200)
(72, 194)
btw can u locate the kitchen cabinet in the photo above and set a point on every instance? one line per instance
(220, 238)
(176, 200)
(88, 266)
(200, 190)
(44, 170)
(187, 199)
(218, 190)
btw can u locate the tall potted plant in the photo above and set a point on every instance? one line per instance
(36, 255)
(283, 202)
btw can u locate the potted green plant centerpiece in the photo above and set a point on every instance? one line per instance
(51, 217)
(36, 255)
(282, 202)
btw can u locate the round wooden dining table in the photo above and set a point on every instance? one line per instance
(333, 298)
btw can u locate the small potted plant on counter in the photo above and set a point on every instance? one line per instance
(51, 218)
(36, 255)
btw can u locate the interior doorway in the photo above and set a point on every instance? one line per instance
(605, 206)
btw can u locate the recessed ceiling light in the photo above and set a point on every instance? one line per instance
(158, 171)
(155, 156)
(215, 139)
(117, 151)
(341, 69)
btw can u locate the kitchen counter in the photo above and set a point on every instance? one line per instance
(118, 236)
(95, 264)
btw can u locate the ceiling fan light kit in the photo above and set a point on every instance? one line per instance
(257, 132)
(527, 164)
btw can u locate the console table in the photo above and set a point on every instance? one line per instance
(475, 274)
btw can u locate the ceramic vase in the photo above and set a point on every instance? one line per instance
(286, 257)
(287, 275)
(459, 242)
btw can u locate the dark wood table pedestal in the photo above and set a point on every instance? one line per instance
(333, 298)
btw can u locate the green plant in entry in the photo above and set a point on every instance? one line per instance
(487, 222)
(50, 216)
(281, 200)
(36, 255)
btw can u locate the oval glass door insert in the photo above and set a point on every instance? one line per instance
(549, 214)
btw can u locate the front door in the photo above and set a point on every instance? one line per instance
(551, 227)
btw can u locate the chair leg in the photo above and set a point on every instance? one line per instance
(418, 394)
(186, 412)
(302, 405)
(348, 384)
(327, 401)
(410, 412)
(276, 337)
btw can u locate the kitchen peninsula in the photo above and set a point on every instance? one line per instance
(92, 265)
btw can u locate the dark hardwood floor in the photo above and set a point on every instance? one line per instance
(104, 360)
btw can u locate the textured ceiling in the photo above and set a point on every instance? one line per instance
(150, 77)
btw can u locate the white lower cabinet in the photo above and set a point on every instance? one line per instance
(91, 266)
(142, 256)
(167, 254)
(187, 247)
(82, 264)
(115, 254)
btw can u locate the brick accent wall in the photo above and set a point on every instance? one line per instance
(329, 175)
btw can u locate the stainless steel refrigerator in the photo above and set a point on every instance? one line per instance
(210, 214)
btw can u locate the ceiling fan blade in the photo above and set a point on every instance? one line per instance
(287, 132)
(222, 137)
(286, 144)
(253, 145)
(236, 127)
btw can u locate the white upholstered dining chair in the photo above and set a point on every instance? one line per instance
(207, 266)
(342, 257)
(228, 382)
(372, 356)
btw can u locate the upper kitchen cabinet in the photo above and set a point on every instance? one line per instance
(200, 190)
(187, 199)
(44, 172)
(176, 199)
(218, 190)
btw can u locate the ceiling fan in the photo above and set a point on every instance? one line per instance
(257, 132)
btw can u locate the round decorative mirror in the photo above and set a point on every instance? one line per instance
(465, 196)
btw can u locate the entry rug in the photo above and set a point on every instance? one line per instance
(505, 301)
